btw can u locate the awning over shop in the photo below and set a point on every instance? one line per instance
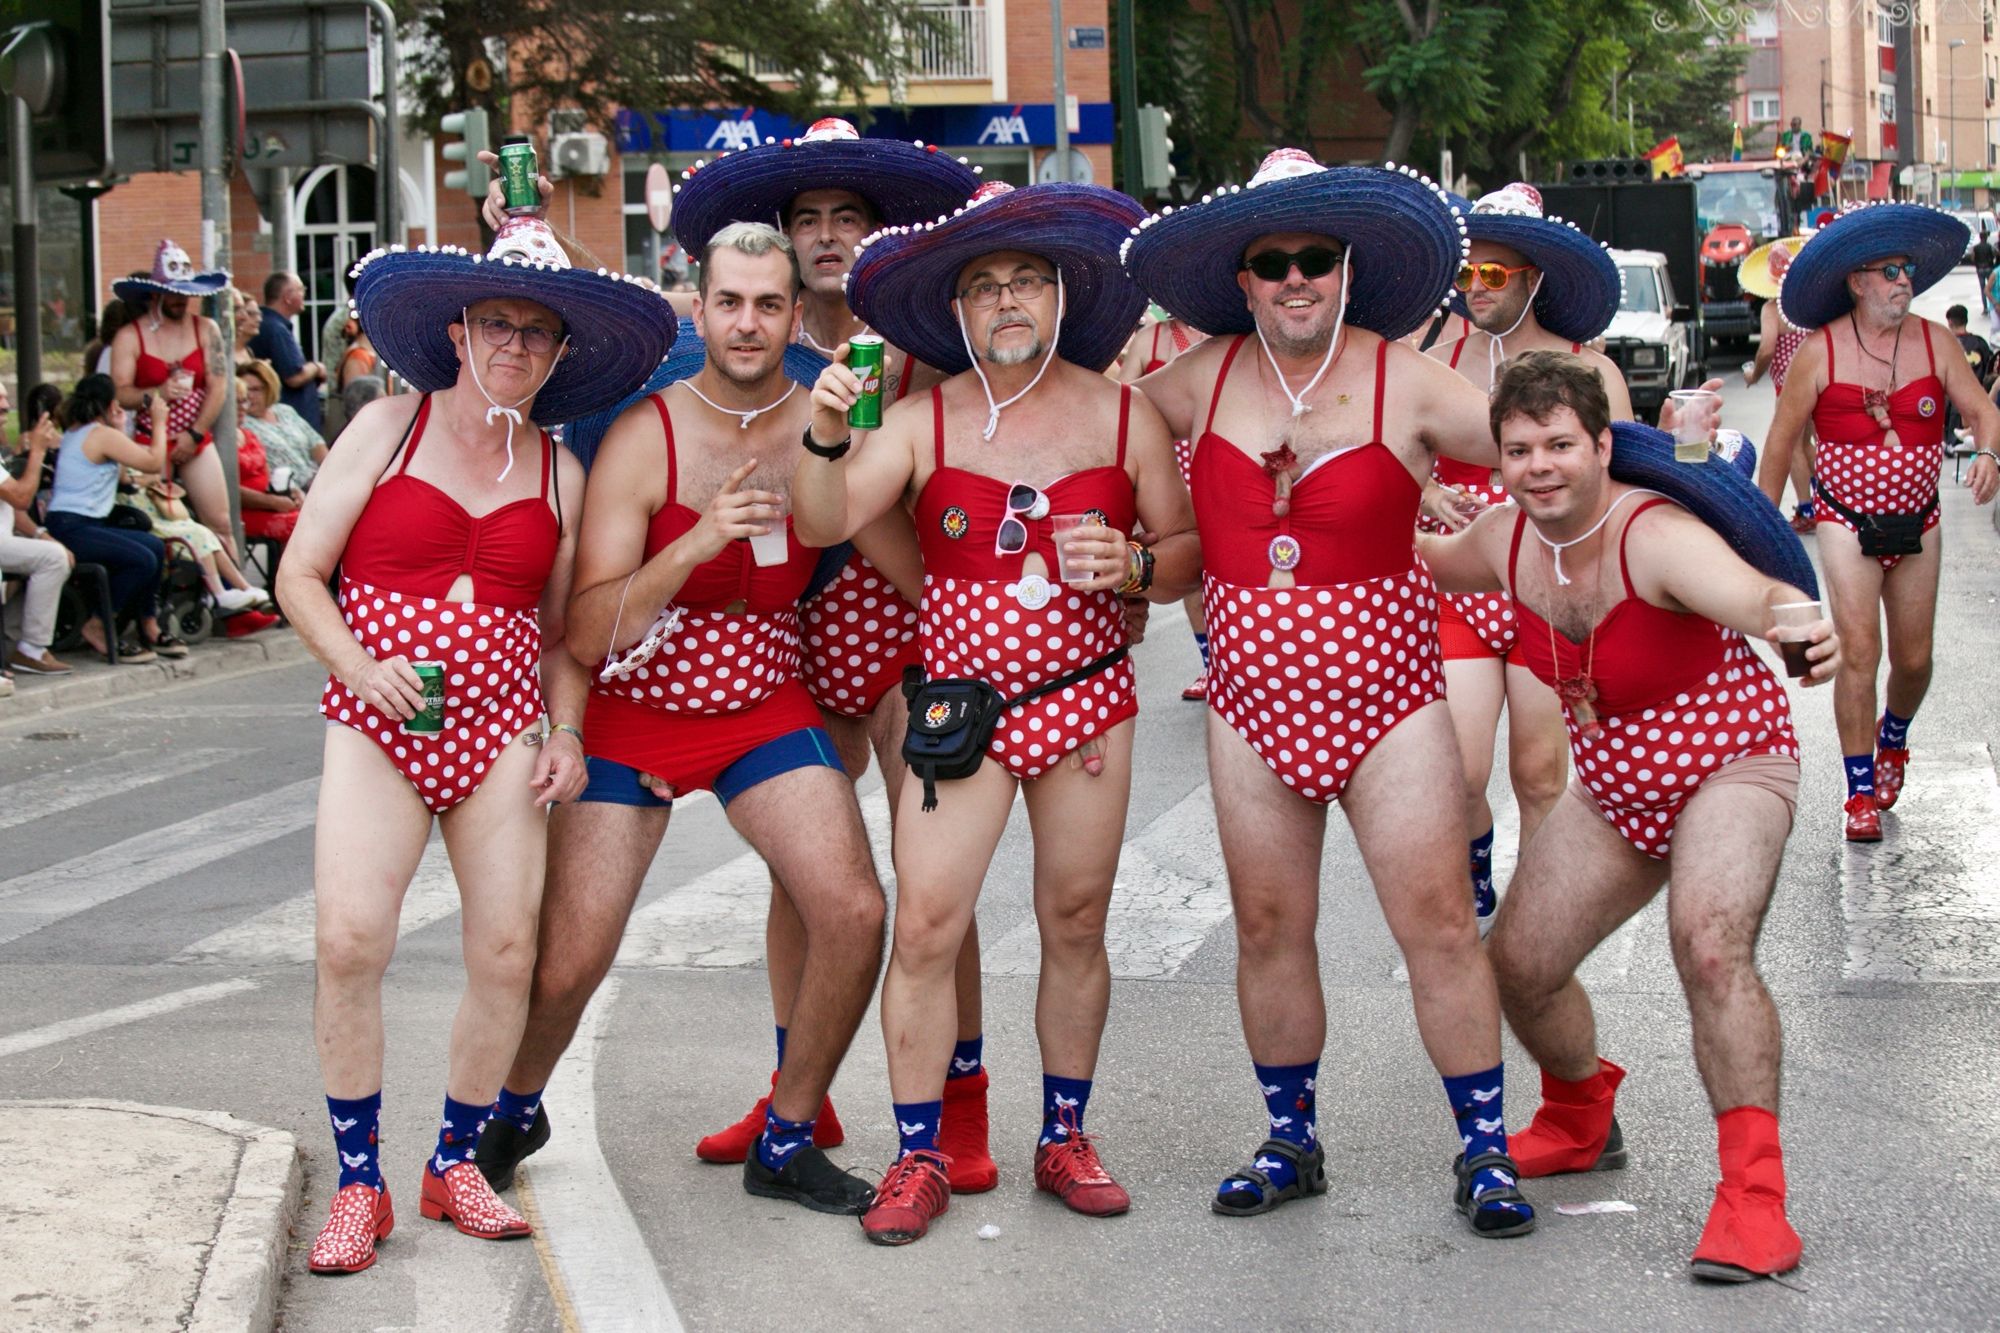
(1972, 180)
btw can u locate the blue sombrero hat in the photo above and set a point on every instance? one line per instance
(1814, 292)
(1407, 240)
(173, 273)
(1581, 283)
(903, 182)
(904, 281)
(619, 329)
(1721, 493)
(583, 435)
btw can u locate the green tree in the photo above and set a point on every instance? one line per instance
(600, 55)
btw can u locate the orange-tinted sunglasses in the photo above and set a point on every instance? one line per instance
(1493, 277)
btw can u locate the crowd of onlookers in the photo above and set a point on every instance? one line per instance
(119, 472)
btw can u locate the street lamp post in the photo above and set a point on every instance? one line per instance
(1951, 113)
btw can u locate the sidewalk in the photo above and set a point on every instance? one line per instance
(182, 1225)
(95, 681)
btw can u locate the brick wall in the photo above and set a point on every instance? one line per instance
(134, 216)
(1031, 53)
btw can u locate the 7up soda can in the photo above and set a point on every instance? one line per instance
(429, 720)
(517, 175)
(864, 358)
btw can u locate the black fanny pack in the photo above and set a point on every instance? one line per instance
(1883, 534)
(952, 720)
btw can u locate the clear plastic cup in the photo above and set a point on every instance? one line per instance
(1066, 526)
(772, 547)
(1792, 620)
(1696, 412)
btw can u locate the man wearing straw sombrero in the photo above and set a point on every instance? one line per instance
(451, 521)
(1634, 600)
(1529, 282)
(1778, 341)
(1018, 296)
(1309, 465)
(171, 349)
(1874, 389)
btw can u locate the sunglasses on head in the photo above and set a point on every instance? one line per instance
(1315, 261)
(1493, 277)
(1891, 272)
(1023, 501)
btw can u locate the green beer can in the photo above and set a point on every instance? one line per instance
(864, 358)
(517, 174)
(429, 720)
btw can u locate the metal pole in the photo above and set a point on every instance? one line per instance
(1128, 97)
(387, 153)
(1060, 94)
(27, 262)
(1951, 113)
(215, 239)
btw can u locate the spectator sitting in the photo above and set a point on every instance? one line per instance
(264, 514)
(289, 442)
(94, 445)
(166, 504)
(30, 550)
(285, 297)
(97, 353)
(249, 321)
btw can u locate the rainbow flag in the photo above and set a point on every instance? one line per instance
(1736, 143)
(1666, 157)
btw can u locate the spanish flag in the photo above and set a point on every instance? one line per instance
(1666, 157)
(1833, 147)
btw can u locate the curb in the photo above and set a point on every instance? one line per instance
(244, 1268)
(97, 683)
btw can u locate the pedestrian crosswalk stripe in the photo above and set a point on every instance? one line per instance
(30, 799)
(35, 1038)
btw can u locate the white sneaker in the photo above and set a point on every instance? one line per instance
(236, 599)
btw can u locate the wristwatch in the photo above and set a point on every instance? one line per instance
(830, 452)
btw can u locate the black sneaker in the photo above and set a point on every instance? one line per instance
(502, 1147)
(809, 1179)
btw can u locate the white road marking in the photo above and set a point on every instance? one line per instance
(284, 933)
(34, 1038)
(30, 799)
(30, 902)
(1170, 892)
(611, 1278)
(717, 919)
(296, 709)
(1923, 905)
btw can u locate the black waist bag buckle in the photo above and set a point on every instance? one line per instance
(952, 720)
(1884, 534)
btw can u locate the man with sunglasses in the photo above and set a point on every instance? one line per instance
(1313, 432)
(1528, 283)
(1874, 388)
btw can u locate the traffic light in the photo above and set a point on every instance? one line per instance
(1156, 150)
(474, 138)
(55, 55)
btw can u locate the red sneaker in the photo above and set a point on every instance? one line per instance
(245, 623)
(1864, 818)
(962, 1136)
(1574, 1128)
(462, 1197)
(360, 1218)
(730, 1146)
(1197, 690)
(916, 1192)
(1889, 766)
(1069, 1169)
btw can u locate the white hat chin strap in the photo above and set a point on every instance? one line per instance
(494, 409)
(1495, 351)
(1299, 404)
(993, 408)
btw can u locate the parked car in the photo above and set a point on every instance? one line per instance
(1651, 337)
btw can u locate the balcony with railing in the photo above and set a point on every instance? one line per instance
(957, 54)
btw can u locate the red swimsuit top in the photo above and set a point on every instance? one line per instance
(1637, 656)
(1839, 416)
(959, 512)
(735, 575)
(1456, 471)
(1362, 526)
(149, 372)
(414, 539)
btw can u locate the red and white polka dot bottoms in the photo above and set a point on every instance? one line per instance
(1312, 677)
(492, 689)
(858, 635)
(976, 629)
(1474, 624)
(1184, 459)
(715, 663)
(1643, 766)
(1879, 479)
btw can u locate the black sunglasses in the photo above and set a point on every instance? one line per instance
(1315, 261)
(1891, 272)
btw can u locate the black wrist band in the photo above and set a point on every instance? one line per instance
(829, 452)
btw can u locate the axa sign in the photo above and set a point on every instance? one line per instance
(734, 135)
(1005, 129)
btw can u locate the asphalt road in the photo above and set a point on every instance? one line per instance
(159, 850)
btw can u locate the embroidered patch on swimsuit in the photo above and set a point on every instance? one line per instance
(955, 523)
(1098, 516)
(1927, 406)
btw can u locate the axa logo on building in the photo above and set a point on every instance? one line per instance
(734, 135)
(1005, 129)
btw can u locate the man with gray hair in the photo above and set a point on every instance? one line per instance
(686, 610)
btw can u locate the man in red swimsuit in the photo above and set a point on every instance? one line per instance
(1687, 773)
(1874, 387)
(1309, 464)
(1019, 294)
(827, 190)
(693, 636)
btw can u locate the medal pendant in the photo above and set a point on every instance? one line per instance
(1284, 552)
(1032, 592)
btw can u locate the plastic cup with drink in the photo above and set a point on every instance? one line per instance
(181, 382)
(1063, 527)
(772, 547)
(1793, 622)
(1696, 412)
